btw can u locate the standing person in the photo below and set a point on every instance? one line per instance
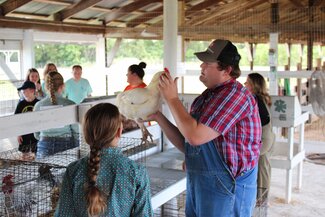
(135, 76)
(33, 76)
(220, 137)
(49, 67)
(105, 183)
(60, 139)
(77, 88)
(27, 143)
(256, 84)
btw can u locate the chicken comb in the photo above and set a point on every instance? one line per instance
(7, 178)
(166, 70)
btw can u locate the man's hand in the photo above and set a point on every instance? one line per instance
(168, 86)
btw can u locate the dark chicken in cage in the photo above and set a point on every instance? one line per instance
(31, 188)
(26, 190)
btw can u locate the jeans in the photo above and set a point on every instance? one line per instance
(51, 145)
(211, 189)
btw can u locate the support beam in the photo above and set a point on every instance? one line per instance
(7, 70)
(28, 60)
(145, 17)
(11, 5)
(170, 46)
(73, 9)
(100, 53)
(113, 51)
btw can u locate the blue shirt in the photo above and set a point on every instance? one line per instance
(64, 131)
(77, 90)
(124, 181)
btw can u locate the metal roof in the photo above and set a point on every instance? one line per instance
(297, 21)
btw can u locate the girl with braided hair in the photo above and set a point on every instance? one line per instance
(104, 183)
(55, 140)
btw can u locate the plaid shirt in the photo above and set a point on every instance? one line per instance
(232, 111)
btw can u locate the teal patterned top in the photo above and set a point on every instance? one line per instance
(124, 181)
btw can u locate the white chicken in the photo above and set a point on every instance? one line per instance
(138, 103)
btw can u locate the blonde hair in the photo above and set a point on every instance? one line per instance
(101, 124)
(53, 82)
(47, 69)
(259, 88)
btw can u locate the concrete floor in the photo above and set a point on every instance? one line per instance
(309, 201)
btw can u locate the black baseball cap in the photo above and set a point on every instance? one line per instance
(220, 50)
(26, 85)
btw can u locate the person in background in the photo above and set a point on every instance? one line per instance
(135, 79)
(33, 76)
(105, 183)
(27, 143)
(256, 84)
(49, 67)
(55, 140)
(221, 136)
(135, 76)
(77, 88)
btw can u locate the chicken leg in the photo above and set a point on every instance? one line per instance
(145, 134)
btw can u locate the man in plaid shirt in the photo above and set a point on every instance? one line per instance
(221, 136)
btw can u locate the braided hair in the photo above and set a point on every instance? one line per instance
(259, 87)
(138, 69)
(101, 125)
(53, 81)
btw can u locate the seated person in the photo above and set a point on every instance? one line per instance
(27, 143)
(77, 88)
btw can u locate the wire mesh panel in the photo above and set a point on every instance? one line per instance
(173, 208)
(28, 188)
(31, 188)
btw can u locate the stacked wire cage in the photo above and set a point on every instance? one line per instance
(31, 187)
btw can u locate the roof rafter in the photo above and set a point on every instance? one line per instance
(221, 10)
(11, 5)
(127, 9)
(145, 18)
(297, 3)
(73, 9)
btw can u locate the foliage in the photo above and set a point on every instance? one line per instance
(64, 55)
(151, 51)
(145, 50)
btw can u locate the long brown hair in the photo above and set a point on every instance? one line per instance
(259, 88)
(29, 72)
(53, 81)
(100, 127)
(47, 69)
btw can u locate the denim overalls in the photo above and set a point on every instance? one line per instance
(211, 189)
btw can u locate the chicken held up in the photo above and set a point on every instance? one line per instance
(137, 104)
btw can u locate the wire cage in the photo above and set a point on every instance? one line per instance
(261, 203)
(172, 208)
(28, 188)
(31, 187)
